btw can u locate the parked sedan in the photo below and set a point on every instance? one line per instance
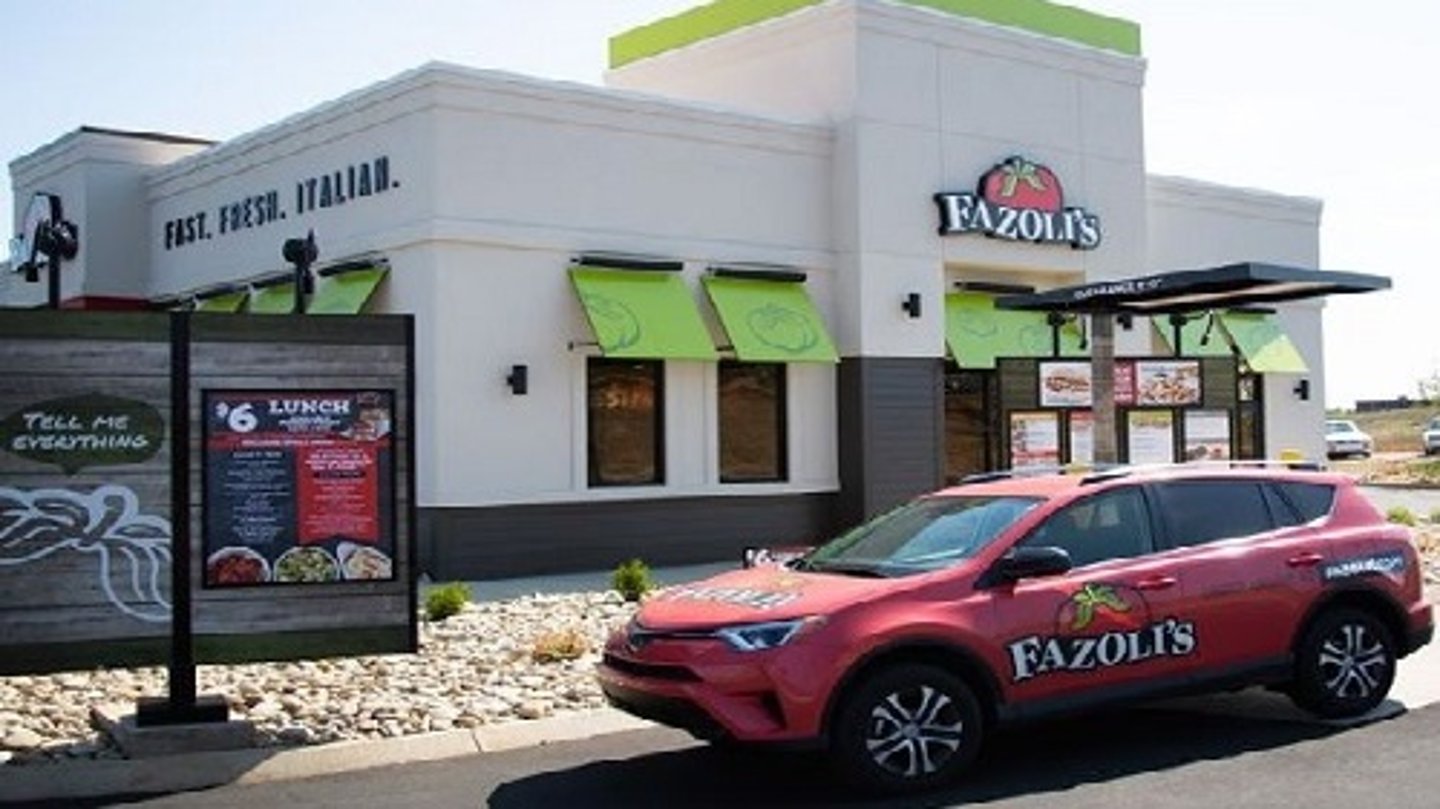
(1343, 438)
(1430, 437)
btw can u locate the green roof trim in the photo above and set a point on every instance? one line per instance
(1199, 337)
(345, 293)
(278, 299)
(978, 333)
(641, 314)
(1266, 347)
(770, 321)
(723, 16)
(229, 302)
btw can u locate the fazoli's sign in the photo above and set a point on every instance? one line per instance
(1022, 201)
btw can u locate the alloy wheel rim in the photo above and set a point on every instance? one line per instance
(914, 732)
(1353, 662)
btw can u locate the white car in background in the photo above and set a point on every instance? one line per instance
(1430, 437)
(1343, 438)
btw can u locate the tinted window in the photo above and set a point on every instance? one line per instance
(1113, 525)
(1310, 501)
(625, 422)
(921, 535)
(1207, 510)
(752, 422)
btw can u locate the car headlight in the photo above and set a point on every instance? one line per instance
(769, 635)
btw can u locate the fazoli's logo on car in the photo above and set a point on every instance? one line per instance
(1101, 626)
(1019, 200)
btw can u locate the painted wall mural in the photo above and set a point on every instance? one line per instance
(131, 550)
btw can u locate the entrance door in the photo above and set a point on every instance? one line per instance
(970, 444)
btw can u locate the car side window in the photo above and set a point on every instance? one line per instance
(1308, 501)
(1200, 511)
(1112, 525)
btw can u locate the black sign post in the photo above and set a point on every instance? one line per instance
(183, 706)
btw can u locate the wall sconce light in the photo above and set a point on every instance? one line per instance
(911, 304)
(519, 379)
(1302, 390)
(1126, 320)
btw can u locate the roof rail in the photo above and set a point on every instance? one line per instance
(1261, 463)
(1027, 472)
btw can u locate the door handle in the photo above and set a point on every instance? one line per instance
(1156, 583)
(1306, 559)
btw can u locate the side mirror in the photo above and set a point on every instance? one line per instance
(1031, 563)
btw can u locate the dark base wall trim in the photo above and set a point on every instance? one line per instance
(506, 541)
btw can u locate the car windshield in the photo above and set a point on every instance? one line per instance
(919, 536)
(1340, 427)
(1435, 423)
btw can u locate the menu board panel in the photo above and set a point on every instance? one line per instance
(299, 487)
(1167, 383)
(1034, 439)
(1207, 435)
(1152, 436)
(1065, 384)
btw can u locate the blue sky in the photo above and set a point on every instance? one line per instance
(1318, 98)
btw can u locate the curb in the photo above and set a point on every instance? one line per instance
(76, 780)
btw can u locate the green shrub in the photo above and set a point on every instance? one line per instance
(1401, 515)
(446, 600)
(632, 580)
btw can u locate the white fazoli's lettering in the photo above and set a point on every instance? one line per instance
(1035, 655)
(969, 213)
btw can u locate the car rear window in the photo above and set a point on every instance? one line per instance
(1309, 501)
(1203, 511)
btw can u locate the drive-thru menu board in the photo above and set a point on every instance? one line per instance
(299, 487)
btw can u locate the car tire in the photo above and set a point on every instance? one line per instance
(1344, 664)
(906, 728)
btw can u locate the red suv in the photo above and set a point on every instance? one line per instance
(899, 645)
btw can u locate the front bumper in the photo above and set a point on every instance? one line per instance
(705, 688)
(1348, 448)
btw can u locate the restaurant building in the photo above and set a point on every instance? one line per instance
(743, 294)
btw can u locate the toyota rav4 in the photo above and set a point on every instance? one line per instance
(898, 646)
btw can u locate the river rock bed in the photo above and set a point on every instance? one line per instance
(475, 668)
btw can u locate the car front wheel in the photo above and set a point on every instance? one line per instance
(1344, 665)
(907, 727)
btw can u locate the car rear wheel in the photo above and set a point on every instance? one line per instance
(1344, 665)
(907, 727)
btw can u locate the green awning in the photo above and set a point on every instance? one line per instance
(277, 299)
(229, 302)
(977, 332)
(642, 314)
(1191, 335)
(345, 293)
(1263, 343)
(770, 321)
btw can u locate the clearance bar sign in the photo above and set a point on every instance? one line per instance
(1019, 200)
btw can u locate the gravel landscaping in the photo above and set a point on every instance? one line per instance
(479, 667)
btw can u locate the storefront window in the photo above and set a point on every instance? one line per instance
(626, 420)
(968, 429)
(752, 422)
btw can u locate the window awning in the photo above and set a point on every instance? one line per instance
(1263, 343)
(345, 293)
(977, 332)
(770, 320)
(273, 299)
(642, 314)
(1201, 336)
(228, 302)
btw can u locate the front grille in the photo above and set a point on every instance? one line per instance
(653, 671)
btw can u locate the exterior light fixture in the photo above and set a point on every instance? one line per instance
(911, 304)
(302, 253)
(519, 379)
(1302, 390)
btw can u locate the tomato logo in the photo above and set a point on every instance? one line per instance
(1019, 183)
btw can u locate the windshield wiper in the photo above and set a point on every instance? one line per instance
(858, 569)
